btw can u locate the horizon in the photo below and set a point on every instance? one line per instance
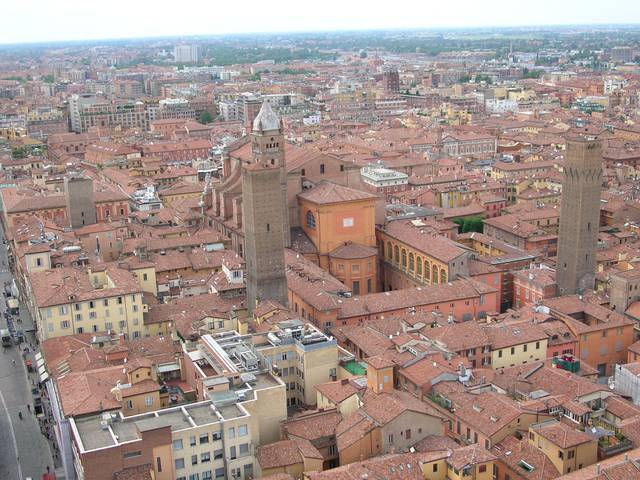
(221, 36)
(41, 22)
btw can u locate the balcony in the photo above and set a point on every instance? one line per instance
(613, 445)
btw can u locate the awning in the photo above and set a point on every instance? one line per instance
(38, 356)
(168, 367)
(44, 376)
(13, 303)
(41, 370)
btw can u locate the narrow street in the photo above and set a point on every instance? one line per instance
(24, 450)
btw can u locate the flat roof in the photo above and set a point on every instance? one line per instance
(93, 434)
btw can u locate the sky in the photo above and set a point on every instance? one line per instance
(55, 20)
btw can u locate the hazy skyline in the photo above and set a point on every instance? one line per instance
(46, 20)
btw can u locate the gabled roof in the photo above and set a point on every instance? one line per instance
(327, 192)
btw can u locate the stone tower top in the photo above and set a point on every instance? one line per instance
(266, 120)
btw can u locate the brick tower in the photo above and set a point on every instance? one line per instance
(580, 215)
(264, 211)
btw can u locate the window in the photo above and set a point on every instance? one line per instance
(311, 219)
(93, 314)
(499, 353)
(92, 305)
(347, 222)
(232, 453)
(435, 467)
(206, 475)
(571, 453)
(322, 168)
(524, 347)
(356, 288)
(192, 440)
(482, 468)
(64, 324)
(220, 472)
(148, 400)
(194, 459)
(244, 449)
(369, 286)
(407, 434)
(158, 464)
(144, 277)
(560, 454)
(391, 438)
(242, 430)
(513, 350)
(248, 470)
(79, 317)
(204, 438)
(205, 457)
(177, 444)
(135, 453)
(77, 306)
(232, 431)
(537, 345)
(218, 454)
(179, 463)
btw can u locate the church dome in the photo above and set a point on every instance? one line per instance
(266, 119)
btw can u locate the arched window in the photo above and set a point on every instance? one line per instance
(396, 253)
(404, 258)
(443, 276)
(434, 274)
(418, 266)
(311, 219)
(412, 264)
(389, 251)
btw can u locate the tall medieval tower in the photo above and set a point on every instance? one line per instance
(264, 211)
(580, 215)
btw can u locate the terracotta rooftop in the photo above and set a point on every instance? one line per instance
(278, 454)
(561, 434)
(327, 192)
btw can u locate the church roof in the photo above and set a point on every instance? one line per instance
(328, 192)
(266, 119)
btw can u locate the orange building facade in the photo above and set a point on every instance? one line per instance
(340, 222)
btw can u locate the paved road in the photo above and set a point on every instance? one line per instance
(24, 451)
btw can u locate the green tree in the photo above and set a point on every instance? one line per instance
(206, 117)
(48, 78)
(363, 54)
(470, 224)
(19, 152)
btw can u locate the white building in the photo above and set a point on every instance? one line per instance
(382, 179)
(76, 104)
(187, 53)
